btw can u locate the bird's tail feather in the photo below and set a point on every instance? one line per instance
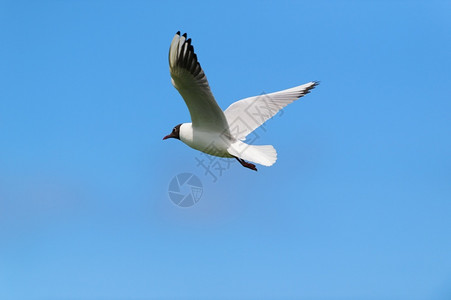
(264, 155)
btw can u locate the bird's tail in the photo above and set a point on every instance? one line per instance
(264, 155)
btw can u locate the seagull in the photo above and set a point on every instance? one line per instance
(216, 132)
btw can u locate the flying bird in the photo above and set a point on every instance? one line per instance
(216, 132)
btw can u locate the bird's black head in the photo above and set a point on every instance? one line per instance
(175, 134)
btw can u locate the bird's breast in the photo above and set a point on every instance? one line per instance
(212, 143)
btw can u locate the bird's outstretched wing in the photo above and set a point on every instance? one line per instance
(190, 80)
(246, 115)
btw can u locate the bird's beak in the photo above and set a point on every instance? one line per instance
(168, 136)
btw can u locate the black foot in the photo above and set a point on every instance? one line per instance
(246, 164)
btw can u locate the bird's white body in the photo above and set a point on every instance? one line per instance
(210, 142)
(212, 130)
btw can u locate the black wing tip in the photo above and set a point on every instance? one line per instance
(307, 90)
(178, 33)
(314, 85)
(189, 60)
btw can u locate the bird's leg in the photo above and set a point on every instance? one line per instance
(246, 164)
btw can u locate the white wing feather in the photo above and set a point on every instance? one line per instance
(246, 115)
(190, 80)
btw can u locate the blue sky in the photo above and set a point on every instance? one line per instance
(357, 206)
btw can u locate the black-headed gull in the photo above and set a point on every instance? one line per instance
(216, 132)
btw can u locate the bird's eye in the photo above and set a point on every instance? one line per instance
(173, 129)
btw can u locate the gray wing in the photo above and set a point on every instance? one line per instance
(190, 80)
